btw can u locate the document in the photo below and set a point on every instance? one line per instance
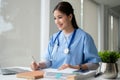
(67, 70)
(64, 74)
(82, 75)
(55, 73)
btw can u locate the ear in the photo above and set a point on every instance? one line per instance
(70, 17)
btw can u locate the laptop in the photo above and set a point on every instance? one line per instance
(12, 70)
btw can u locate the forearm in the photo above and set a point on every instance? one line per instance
(83, 66)
(92, 66)
(87, 66)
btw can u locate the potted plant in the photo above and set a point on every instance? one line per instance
(109, 56)
(108, 65)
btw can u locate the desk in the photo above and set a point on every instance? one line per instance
(13, 77)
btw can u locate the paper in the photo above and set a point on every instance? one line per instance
(84, 75)
(67, 70)
(64, 74)
(55, 73)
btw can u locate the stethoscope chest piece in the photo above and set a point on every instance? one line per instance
(66, 50)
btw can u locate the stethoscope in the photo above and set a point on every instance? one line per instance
(67, 49)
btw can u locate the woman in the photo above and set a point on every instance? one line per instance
(70, 46)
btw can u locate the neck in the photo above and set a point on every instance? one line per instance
(68, 31)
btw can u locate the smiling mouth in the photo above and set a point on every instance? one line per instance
(60, 25)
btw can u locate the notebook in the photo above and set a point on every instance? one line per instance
(31, 75)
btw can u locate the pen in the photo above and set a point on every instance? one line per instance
(33, 59)
(35, 64)
(98, 74)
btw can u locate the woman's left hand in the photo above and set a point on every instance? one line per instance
(64, 66)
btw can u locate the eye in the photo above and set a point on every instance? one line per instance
(54, 18)
(59, 17)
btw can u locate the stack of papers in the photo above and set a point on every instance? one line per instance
(84, 75)
(64, 74)
(55, 73)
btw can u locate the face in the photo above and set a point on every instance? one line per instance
(62, 21)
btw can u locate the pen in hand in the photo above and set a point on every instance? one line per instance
(34, 64)
(38, 66)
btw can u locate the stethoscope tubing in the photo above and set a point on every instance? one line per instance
(70, 40)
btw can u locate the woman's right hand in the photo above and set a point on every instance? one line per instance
(34, 66)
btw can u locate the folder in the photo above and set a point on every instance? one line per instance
(31, 75)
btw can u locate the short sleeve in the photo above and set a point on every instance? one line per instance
(90, 50)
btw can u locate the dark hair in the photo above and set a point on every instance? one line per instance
(66, 7)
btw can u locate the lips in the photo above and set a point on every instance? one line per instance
(60, 25)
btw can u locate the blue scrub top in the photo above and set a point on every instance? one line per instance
(82, 50)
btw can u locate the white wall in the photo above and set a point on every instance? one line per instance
(90, 19)
(19, 44)
(76, 4)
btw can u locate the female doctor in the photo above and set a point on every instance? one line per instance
(70, 46)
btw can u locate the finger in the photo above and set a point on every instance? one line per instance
(60, 68)
(34, 66)
(63, 67)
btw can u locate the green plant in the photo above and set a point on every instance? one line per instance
(109, 56)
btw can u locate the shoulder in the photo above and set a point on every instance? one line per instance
(82, 33)
(85, 37)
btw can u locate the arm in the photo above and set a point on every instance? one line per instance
(87, 66)
(91, 58)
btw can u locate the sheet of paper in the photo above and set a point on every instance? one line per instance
(67, 70)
